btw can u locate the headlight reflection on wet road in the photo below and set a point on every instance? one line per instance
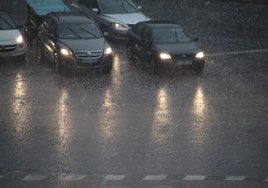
(161, 129)
(20, 108)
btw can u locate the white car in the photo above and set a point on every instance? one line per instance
(113, 16)
(11, 40)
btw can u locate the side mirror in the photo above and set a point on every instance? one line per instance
(106, 34)
(195, 39)
(19, 26)
(95, 10)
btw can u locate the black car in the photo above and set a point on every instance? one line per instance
(158, 43)
(73, 40)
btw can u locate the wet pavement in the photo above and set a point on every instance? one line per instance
(132, 123)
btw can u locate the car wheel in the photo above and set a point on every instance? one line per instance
(198, 68)
(155, 66)
(107, 67)
(57, 65)
(130, 55)
(39, 54)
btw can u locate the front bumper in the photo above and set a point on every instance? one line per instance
(89, 63)
(12, 50)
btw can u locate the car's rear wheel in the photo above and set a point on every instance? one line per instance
(155, 66)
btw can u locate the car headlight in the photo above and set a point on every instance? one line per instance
(200, 55)
(164, 56)
(119, 26)
(108, 51)
(65, 52)
(19, 39)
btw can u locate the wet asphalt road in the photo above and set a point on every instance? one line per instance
(135, 123)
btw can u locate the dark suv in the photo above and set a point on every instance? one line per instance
(73, 40)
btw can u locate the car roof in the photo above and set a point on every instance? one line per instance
(70, 17)
(161, 24)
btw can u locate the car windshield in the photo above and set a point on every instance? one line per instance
(118, 6)
(169, 35)
(78, 31)
(6, 22)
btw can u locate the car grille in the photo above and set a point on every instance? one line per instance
(184, 56)
(7, 48)
(88, 54)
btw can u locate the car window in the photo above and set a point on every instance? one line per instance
(118, 6)
(78, 31)
(6, 22)
(89, 3)
(169, 35)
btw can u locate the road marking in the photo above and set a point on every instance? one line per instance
(236, 52)
(34, 177)
(266, 179)
(114, 177)
(74, 177)
(235, 178)
(194, 177)
(155, 177)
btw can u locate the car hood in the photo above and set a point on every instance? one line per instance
(178, 48)
(9, 36)
(126, 18)
(85, 44)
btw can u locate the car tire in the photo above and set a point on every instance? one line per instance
(155, 66)
(39, 54)
(198, 68)
(57, 65)
(107, 67)
(130, 55)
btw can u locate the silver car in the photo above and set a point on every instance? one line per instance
(113, 16)
(11, 40)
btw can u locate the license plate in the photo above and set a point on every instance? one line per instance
(89, 61)
(183, 62)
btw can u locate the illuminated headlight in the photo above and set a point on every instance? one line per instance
(119, 26)
(200, 55)
(19, 39)
(164, 56)
(65, 52)
(108, 51)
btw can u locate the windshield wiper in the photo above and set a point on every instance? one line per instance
(11, 27)
(74, 32)
(88, 32)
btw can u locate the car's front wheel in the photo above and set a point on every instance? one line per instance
(130, 54)
(39, 53)
(155, 66)
(57, 65)
(107, 67)
(198, 68)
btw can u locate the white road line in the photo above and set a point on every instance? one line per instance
(34, 177)
(236, 52)
(74, 177)
(155, 177)
(194, 177)
(235, 178)
(114, 177)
